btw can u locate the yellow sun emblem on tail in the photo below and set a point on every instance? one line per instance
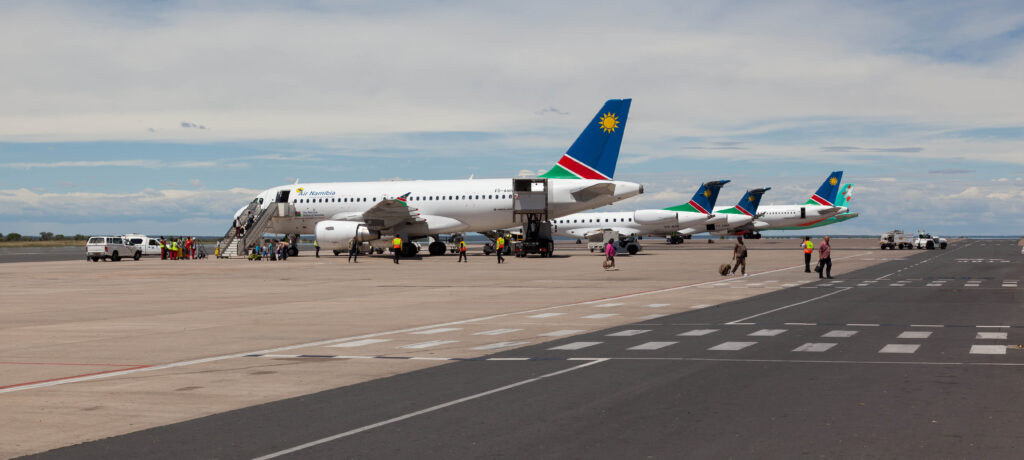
(750, 198)
(707, 193)
(609, 122)
(833, 181)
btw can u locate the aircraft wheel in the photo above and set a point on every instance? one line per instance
(293, 251)
(409, 250)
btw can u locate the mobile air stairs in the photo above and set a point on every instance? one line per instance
(233, 245)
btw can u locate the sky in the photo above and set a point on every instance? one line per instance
(163, 117)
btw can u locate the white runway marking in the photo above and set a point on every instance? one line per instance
(767, 332)
(801, 324)
(657, 305)
(731, 346)
(899, 348)
(988, 349)
(991, 335)
(914, 335)
(561, 333)
(926, 325)
(423, 411)
(628, 332)
(652, 345)
(647, 317)
(698, 332)
(601, 316)
(359, 343)
(575, 345)
(545, 315)
(814, 347)
(437, 331)
(863, 325)
(609, 305)
(839, 334)
(432, 343)
(844, 289)
(495, 346)
(497, 331)
(697, 307)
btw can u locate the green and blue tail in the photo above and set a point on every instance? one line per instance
(829, 190)
(704, 200)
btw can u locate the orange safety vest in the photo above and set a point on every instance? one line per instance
(462, 246)
(808, 247)
(396, 243)
(501, 242)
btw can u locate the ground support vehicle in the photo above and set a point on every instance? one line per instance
(148, 245)
(110, 247)
(537, 239)
(926, 241)
(895, 239)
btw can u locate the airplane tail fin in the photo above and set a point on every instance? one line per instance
(845, 196)
(751, 200)
(704, 200)
(596, 150)
(829, 190)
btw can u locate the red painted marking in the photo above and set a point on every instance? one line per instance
(698, 207)
(125, 368)
(744, 211)
(580, 169)
(821, 200)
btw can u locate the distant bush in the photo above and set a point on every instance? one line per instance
(79, 237)
(13, 237)
(59, 237)
(46, 236)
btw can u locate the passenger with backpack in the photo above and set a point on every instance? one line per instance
(739, 254)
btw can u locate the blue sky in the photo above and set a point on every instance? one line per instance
(164, 117)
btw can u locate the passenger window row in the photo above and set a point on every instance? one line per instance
(411, 198)
(577, 221)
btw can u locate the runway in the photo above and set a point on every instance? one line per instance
(907, 358)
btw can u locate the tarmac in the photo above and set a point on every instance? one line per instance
(904, 353)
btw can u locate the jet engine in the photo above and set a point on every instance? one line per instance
(336, 234)
(654, 216)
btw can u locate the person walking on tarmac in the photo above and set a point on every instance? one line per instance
(353, 250)
(316, 245)
(824, 267)
(500, 246)
(739, 254)
(609, 255)
(396, 247)
(462, 251)
(163, 249)
(808, 247)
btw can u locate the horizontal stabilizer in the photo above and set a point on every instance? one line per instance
(594, 191)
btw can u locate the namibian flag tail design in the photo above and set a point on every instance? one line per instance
(595, 152)
(826, 194)
(751, 200)
(704, 200)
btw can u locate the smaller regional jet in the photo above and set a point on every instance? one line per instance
(734, 220)
(644, 222)
(818, 208)
(843, 201)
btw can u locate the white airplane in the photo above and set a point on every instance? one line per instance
(374, 212)
(644, 222)
(731, 219)
(817, 209)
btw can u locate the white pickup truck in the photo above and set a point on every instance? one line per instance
(148, 245)
(926, 241)
(110, 247)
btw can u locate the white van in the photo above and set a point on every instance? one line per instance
(148, 245)
(112, 247)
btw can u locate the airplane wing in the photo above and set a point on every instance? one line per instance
(594, 191)
(386, 214)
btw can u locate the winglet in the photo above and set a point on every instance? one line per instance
(596, 150)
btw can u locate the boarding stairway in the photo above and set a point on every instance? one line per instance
(235, 246)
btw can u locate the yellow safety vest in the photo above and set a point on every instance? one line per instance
(462, 246)
(501, 242)
(808, 247)
(396, 243)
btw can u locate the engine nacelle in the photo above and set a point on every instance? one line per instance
(654, 216)
(337, 234)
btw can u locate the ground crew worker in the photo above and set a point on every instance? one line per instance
(174, 250)
(739, 254)
(808, 250)
(163, 249)
(462, 251)
(500, 245)
(824, 268)
(353, 250)
(316, 244)
(396, 246)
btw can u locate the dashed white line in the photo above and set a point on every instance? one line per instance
(601, 316)
(432, 343)
(628, 332)
(652, 345)
(497, 331)
(988, 349)
(359, 343)
(767, 333)
(731, 346)
(839, 334)
(561, 333)
(814, 347)
(499, 345)
(698, 332)
(991, 336)
(575, 346)
(437, 331)
(900, 348)
(914, 335)
(545, 315)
